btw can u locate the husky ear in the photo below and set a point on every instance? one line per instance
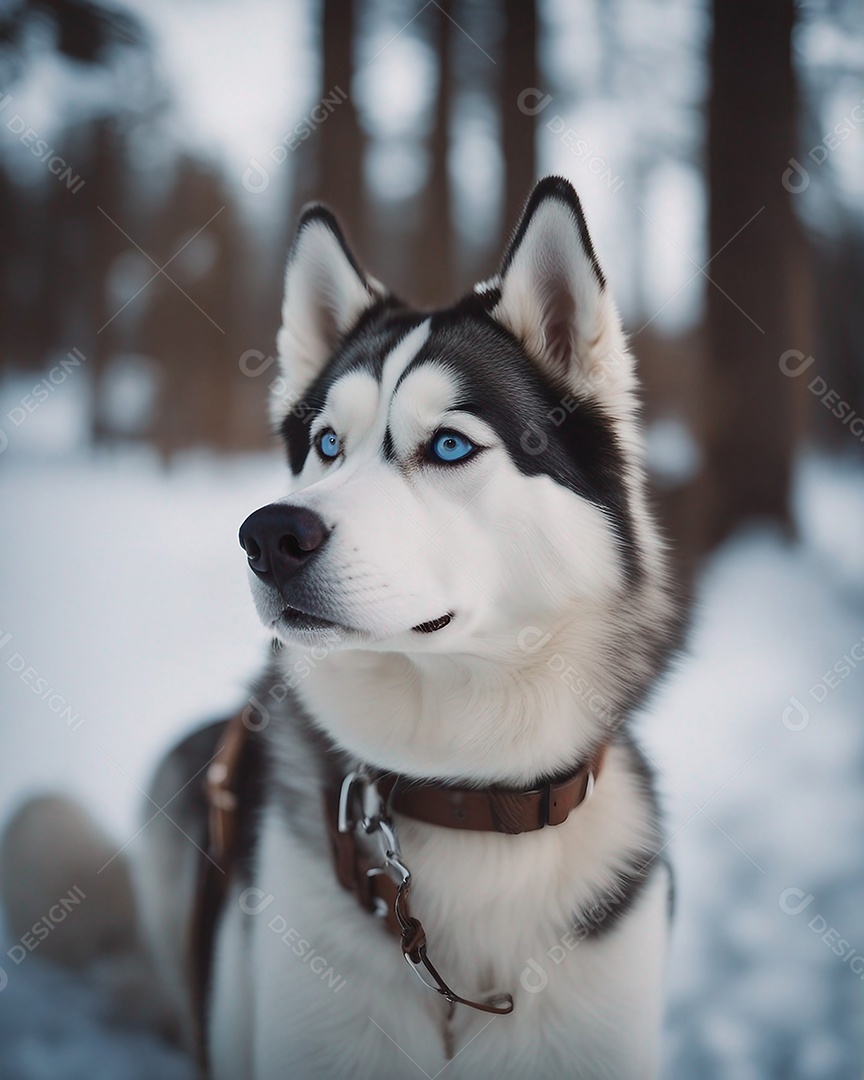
(553, 293)
(325, 294)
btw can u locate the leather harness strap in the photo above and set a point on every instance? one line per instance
(495, 809)
(356, 869)
(214, 868)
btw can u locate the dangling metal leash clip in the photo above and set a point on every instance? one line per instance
(373, 820)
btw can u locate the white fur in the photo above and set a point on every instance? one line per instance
(478, 896)
(552, 301)
(324, 296)
(545, 624)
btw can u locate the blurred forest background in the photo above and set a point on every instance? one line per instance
(149, 184)
(153, 157)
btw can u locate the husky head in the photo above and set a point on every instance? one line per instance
(466, 485)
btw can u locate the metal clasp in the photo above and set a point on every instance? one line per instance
(360, 788)
(392, 850)
(360, 785)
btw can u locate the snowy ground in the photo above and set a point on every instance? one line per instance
(124, 589)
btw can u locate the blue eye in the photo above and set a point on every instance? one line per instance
(329, 444)
(450, 446)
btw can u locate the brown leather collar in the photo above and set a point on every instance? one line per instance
(493, 809)
(350, 816)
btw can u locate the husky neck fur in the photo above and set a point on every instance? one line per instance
(539, 546)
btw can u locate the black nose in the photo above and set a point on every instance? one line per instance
(279, 539)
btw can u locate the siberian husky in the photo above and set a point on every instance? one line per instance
(467, 592)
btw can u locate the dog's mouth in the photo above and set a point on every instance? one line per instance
(433, 624)
(294, 620)
(294, 617)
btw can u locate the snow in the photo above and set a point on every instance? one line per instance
(55, 1027)
(754, 991)
(128, 595)
(130, 599)
(755, 728)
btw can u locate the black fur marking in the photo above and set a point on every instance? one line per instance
(672, 890)
(607, 909)
(546, 429)
(377, 332)
(554, 187)
(485, 301)
(388, 450)
(314, 213)
(612, 903)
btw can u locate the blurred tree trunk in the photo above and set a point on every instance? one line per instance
(25, 231)
(340, 139)
(190, 326)
(751, 420)
(518, 129)
(436, 242)
(840, 277)
(106, 194)
(10, 317)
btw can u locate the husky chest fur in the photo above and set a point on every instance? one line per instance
(468, 592)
